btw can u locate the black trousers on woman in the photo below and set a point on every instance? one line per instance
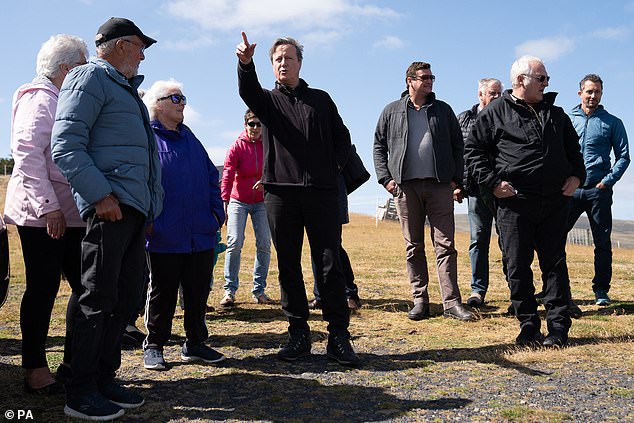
(45, 259)
(167, 271)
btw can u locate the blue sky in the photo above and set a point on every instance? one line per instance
(356, 50)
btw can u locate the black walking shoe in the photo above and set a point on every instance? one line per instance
(298, 345)
(340, 348)
(529, 337)
(556, 339)
(92, 407)
(123, 397)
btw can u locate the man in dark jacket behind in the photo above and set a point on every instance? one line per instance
(418, 158)
(526, 151)
(480, 213)
(306, 144)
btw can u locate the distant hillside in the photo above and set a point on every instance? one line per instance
(622, 230)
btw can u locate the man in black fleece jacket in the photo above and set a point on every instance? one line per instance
(526, 151)
(306, 144)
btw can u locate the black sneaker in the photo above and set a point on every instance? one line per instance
(298, 345)
(92, 407)
(529, 337)
(123, 397)
(63, 374)
(556, 339)
(132, 337)
(200, 352)
(340, 348)
(153, 359)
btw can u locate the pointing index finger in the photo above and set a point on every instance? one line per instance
(244, 39)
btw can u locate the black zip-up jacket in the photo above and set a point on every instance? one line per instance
(466, 120)
(390, 141)
(535, 157)
(305, 140)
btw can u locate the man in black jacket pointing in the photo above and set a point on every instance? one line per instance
(306, 144)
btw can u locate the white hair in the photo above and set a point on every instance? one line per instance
(59, 50)
(522, 66)
(158, 90)
(484, 83)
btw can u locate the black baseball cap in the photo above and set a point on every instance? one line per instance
(120, 27)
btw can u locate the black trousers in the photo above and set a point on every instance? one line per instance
(45, 259)
(168, 271)
(111, 273)
(290, 210)
(536, 225)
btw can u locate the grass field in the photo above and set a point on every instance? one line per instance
(433, 370)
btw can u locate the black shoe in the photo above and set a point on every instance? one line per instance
(132, 337)
(298, 345)
(64, 374)
(574, 310)
(123, 397)
(459, 312)
(419, 312)
(92, 407)
(340, 349)
(556, 339)
(53, 389)
(529, 337)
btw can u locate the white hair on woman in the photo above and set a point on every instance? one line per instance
(158, 90)
(522, 66)
(61, 49)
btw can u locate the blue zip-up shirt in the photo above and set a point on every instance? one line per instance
(600, 133)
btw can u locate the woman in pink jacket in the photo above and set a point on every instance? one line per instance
(242, 194)
(40, 203)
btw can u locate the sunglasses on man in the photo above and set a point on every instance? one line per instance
(176, 98)
(253, 124)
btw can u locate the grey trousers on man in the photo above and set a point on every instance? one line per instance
(415, 200)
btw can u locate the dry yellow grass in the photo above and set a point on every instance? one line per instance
(415, 371)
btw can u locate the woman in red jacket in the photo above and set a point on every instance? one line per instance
(242, 194)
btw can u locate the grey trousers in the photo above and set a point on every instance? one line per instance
(415, 200)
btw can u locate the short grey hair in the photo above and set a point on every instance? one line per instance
(522, 66)
(287, 41)
(105, 48)
(58, 50)
(484, 83)
(158, 90)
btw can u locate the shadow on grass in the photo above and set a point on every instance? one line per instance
(248, 397)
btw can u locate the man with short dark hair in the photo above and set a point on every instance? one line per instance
(599, 134)
(480, 210)
(306, 144)
(524, 149)
(418, 158)
(104, 146)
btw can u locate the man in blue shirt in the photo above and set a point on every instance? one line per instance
(599, 133)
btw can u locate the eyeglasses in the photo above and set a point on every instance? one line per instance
(540, 78)
(142, 46)
(176, 98)
(425, 78)
(253, 124)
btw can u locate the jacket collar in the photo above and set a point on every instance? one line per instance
(158, 127)
(549, 98)
(117, 76)
(245, 137)
(578, 111)
(289, 91)
(405, 98)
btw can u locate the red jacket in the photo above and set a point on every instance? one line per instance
(242, 169)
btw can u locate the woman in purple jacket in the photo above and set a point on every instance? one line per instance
(181, 242)
(39, 202)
